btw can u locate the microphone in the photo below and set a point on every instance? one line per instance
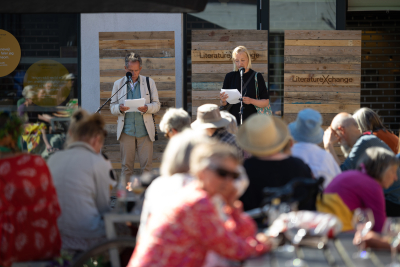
(241, 70)
(129, 76)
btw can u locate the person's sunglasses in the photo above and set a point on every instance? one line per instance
(224, 173)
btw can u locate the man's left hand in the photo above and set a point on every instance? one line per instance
(143, 109)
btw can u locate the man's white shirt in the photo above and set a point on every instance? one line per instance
(320, 162)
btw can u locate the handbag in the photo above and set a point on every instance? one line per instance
(266, 110)
(152, 115)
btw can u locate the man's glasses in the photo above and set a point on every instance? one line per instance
(223, 172)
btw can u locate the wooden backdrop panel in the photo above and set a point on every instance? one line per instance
(212, 60)
(157, 49)
(322, 71)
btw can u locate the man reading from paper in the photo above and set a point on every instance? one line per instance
(135, 130)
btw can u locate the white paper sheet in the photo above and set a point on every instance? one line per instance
(133, 104)
(233, 95)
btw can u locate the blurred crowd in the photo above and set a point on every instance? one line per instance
(212, 172)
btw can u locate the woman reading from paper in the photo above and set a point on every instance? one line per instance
(253, 101)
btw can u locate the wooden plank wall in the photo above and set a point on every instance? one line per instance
(312, 60)
(157, 50)
(211, 60)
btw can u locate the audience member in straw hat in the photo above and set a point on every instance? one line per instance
(307, 134)
(265, 137)
(209, 119)
(369, 121)
(174, 121)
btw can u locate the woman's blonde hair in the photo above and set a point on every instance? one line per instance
(76, 117)
(238, 50)
(88, 127)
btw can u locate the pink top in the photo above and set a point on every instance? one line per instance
(181, 236)
(358, 190)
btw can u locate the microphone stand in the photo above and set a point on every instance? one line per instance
(127, 81)
(241, 99)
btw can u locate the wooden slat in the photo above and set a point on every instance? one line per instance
(111, 53)
(322, 89)
(145, 72)
(161, 94)
(326, 118)
(212, 77)
(155, 35)
(201, 95)
(251, 45)
(321, 79)
(356, 72)
(323, 59)
(226, 56)
(323, 42)
(322, 51)
(137, 44)
(322, 35)
(228, 35)
(224, 68)
(323, 67)
(160, 86)
(199, 102)
(147, 63)
(322, 108)
(205, 86)
(318, 98)
(154, 77)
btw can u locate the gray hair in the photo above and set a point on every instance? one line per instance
(132, 57)
(368, 120)
(232, 126)
(376, 160)
(174, 118)
(204, 155)
(177, 153)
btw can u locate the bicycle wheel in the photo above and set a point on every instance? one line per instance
(105, 254)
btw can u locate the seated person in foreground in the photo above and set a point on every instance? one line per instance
(28, 203)
(265, 137)
(183, 233)
(361, 188)
(82, 177)
(344, 130)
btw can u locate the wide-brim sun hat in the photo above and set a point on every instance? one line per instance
(209, 116)
(307, 127)
(262, 135)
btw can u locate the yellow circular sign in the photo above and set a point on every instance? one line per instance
(10, 53)
(49, 82)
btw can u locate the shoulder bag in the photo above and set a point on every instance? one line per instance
(266, 110)
(152, 115)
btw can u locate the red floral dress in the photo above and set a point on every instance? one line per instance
(28, 211)
(182, 235)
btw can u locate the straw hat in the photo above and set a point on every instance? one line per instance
(307, 127)
(263, 135)
(208, 116)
